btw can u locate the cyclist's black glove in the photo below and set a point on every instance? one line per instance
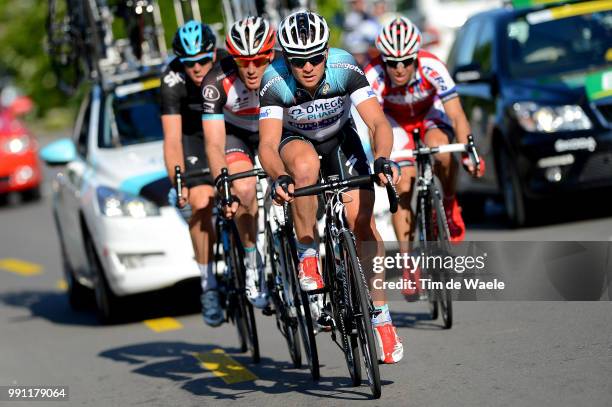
(283, 181)
(383, 166)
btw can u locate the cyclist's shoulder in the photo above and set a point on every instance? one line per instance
(339, 59)
(430, 62)
(277, 76)
(223, 68)
(173, 76)
(375, 69)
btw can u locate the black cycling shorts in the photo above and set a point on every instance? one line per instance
(195, 160)
(240, 148)
(342, 154)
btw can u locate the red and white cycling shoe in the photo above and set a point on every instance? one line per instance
(390, 348)
(456, 226)
(309, 275)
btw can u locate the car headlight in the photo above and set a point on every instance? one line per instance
(115, 203)
(550, 119)
(16, 144)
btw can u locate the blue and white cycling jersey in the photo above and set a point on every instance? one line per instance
(320, 116)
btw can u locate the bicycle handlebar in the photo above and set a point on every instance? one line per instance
(223, 181)
(446, 148)
(317, 189)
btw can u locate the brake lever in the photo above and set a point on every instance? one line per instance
(178, 183)
(473, 153)
(391, 191)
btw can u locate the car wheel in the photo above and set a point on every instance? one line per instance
(514, 199)
(106, 300)
(79, 296)
(31, 195)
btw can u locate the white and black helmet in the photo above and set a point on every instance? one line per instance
(303, 34)
(250, 36)
(399, 39)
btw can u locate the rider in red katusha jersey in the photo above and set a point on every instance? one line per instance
(416, 90)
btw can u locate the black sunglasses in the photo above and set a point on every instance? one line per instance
(394, 64)
(300, 62)
(203, 61)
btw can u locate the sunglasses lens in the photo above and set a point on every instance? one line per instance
(314, 61)
(201, 62)
(259, 61)
(394, 64)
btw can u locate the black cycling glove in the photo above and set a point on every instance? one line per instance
(283, 181)
(382, 166)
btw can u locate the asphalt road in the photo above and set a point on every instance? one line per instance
(497, 353)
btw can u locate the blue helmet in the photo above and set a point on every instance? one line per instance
(193, 38)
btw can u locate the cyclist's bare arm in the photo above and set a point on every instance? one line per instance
(382, 135)
(214, 139)
(270, 131)
(458, 119)
(173, 144)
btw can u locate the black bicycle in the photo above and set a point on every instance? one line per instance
(282, 285)
(295, 303)
(347, 301)
(431, 222)
(229, 254)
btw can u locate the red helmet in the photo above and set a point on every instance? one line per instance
(249, 37)
(399, 39)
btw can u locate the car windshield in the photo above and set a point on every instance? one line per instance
(538, 44)
(132, 118)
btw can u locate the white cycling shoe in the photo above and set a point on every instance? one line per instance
(259, 299)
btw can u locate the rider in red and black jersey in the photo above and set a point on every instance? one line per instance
(230, 118)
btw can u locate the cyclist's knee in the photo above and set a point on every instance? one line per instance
(201, 199)
(305, 171)
(245, 190)
(436, 137)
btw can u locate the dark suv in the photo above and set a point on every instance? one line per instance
(536, 84)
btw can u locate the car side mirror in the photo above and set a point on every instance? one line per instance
(59, 152)
(470, 73)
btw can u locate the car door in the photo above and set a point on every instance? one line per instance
(472, 67)
(70, 192)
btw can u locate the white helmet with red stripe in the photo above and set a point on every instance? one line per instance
(399, 39)
(250, 36)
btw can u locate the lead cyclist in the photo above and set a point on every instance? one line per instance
(416, 91)
(305, 103)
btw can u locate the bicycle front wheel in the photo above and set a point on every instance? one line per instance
(445, 298)
(362, 307)
(302, 309)
(279, 292)
(247, 327)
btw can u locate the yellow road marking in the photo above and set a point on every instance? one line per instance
(223, 366)
(163, 324)
(61, 285)
(20, 267)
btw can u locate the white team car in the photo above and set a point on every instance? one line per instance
(117, 232)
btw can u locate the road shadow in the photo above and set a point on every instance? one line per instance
(180, 300)
(50, 305)
(415, 320)
(177, 362)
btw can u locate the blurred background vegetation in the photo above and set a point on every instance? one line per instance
(24, 61)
